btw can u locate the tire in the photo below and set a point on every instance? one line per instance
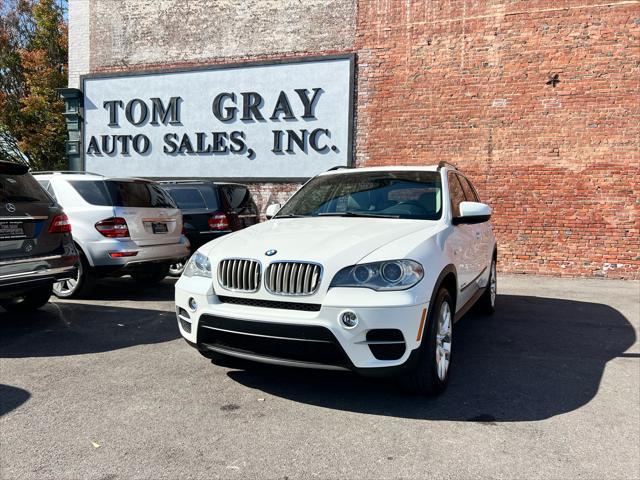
(29, 301)
(176, 269)
(487, 302)
(152, 274)
(431, 375)
(83, 283)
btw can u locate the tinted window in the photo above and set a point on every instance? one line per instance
(93, 192)
(456, 193)
(469, 192)
(240, 199)
(411, 195)
(210, 195)
(188, 198)
(21, 188)
(123, 194)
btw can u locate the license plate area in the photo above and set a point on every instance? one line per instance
(159, 227)
(12, 230)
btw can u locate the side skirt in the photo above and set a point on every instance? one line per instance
(467, 306)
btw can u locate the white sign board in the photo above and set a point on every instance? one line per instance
(253, 121)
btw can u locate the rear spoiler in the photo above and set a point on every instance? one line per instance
(13, 168)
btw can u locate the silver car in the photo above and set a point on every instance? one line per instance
(121, 226)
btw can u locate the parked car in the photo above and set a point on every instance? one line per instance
(36, 248)
(364, 270)
(210, 210)
(120, 226)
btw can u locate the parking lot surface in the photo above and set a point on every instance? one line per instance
(104, 388)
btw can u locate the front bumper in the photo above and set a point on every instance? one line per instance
(99, 252)
(292, 334)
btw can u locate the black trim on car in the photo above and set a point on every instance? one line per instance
(251, 302)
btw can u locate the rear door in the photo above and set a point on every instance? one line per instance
(151, 215)
(26, 212)
(243, 210)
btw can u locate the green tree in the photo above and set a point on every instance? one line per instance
(33, 64)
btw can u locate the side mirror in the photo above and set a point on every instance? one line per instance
(472, 212)
(272, 210)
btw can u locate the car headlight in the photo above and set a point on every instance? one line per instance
(380, 276)
(198, 266)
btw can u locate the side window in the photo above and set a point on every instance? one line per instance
(469, 192)
(456, 193)
(240, 200)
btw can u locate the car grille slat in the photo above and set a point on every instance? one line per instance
(293, 278)
(239, 274)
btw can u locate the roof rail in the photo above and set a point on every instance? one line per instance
(339, 167)
(444, 164)
(66, 172)
(193, 180)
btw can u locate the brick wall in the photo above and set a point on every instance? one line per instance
(470, 82)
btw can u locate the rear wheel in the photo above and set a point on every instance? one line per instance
(83, 282)
(431, 373)
(176, 269)
(151, 274)
(29, 301)
(487, 303)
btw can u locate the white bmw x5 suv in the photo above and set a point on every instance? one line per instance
(362, 269)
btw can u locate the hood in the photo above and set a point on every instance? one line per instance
(325, 240)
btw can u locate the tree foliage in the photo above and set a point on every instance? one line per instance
(33, 64)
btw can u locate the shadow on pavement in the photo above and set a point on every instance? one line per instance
(126, 288)
(77, 328)
(11, 398)
(534, 359)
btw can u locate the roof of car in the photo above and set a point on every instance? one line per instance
(395, 168)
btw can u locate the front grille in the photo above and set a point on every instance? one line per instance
(293, 278)
(239, 274)
(304, 343)
(250, 302)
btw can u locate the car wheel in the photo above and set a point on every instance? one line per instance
(83, 282)
(487, 302)
(28, 301)
(431, 373)
(176, 269)
(151, 274)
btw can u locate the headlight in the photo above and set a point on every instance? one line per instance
(380, 276)
(198, 266)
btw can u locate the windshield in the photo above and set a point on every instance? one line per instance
(410, 195)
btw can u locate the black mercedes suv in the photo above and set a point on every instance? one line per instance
(210, 210)
(36, 248)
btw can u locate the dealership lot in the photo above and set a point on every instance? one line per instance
(104, 388)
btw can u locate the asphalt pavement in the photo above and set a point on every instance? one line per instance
(104, 388)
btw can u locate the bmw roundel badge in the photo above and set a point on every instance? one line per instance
(271, 252)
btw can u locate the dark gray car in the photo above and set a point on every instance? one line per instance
(36, 248)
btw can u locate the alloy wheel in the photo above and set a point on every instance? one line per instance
(443, 340)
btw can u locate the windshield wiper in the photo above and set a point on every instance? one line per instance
(356, 214)
(291, 215)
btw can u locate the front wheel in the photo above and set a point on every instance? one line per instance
(29, 301)
(431, 374)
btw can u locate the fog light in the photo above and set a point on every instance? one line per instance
(193, 305)
(348, 319)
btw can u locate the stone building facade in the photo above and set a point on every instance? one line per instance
(537, 101)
